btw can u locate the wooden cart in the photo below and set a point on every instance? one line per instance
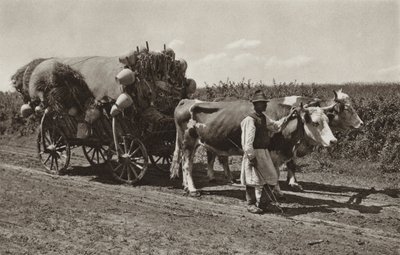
(122, 143)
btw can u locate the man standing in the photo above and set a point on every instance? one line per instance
(258, 169)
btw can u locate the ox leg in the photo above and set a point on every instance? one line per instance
(223, 160)
(176, 160)
(291, 176)
(210, 166)
(187, 168)
(277, 161)
(185, 164)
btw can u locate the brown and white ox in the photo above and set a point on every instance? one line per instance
(342, 116)
(216, 125)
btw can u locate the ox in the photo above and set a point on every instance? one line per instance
(216, 125)
(341, 115)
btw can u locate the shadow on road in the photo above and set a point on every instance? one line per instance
(324, 205)
(156, 178)
(394, 193)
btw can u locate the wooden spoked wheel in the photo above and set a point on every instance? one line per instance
(161, 163)
(129, 159)
(163, 158)
(96, 155)
(53, 149)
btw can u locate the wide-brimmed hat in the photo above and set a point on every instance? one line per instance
(259, 96)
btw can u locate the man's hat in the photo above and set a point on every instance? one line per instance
(259, 96)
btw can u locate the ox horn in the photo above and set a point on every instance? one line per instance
(303, 106)
(336, 95)
(328, 107)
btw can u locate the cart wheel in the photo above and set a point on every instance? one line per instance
(162, 157)
(161, 163)
(53, 150)
(129, 159)
(95, 155)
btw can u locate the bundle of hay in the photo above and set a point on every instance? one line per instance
(165, 74)
(61, 87)
(20, 80)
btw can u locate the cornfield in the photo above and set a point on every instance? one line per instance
(377, 104)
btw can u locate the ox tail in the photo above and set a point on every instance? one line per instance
(176, 160)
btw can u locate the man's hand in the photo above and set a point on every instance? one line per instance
(253, 162)
(292, 113)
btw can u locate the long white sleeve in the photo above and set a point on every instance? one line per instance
(275, 126)
(248, 134)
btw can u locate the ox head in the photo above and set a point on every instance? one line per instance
(315, 125)
(341, 113)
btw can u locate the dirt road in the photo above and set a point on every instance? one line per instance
(84, 212)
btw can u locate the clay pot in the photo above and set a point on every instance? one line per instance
(183, 65)
(123, 101)
(191, 86)
(114, 111)
(26, 110)
(38, 109)
(125, 77)
(170, 52)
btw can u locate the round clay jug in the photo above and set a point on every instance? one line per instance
(26, 110)
(125, 77)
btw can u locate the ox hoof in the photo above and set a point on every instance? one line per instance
(296, 187)
(194, 193)
(233, 181)
(279, 195)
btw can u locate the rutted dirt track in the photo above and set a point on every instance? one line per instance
(84, 212)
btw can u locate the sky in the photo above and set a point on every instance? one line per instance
(322, 41)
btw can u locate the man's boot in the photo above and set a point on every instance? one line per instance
(251, 201)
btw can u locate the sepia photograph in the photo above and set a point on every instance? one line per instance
(180, 127)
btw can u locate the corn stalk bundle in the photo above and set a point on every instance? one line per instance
(20, 80)
(63, 88)
(165, 74)
(159, 66)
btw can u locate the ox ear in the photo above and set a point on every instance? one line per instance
(339, 107)
(307, 117)
(330, 116)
